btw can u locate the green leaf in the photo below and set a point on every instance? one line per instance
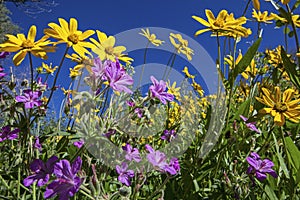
(270, 192)
(280, 158)
(293, 153)
(290, 68)
(243, 109)
(246, 60)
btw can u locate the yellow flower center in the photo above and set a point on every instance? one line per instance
(27, 44)
(280, 107)
(109, 50)
(219, 23)
(73, 38)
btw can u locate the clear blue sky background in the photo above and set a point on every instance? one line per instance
(115, 16)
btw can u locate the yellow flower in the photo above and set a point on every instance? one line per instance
(198, 88)
(230, 62)
(224, 24)
(68, 92)
(105, 47)
(250, 71)
(262, 17)
(285, 1)
(24, 45)
(256, 4)
(82, 61)
(74, 72)
(48, 68)
(173, 90)
(151, 37)
(181, 46)
(295, 19)
(187, 73)
(68, 33)
(280, 107)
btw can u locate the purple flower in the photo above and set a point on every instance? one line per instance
(260, 167)
(4, 54)
(109, 133)
(98, 69)
(42, 171)
(124, 174)
(67, 183)
(42, 86)
(117, 77)
(2, 74)
(156, 158)
(79, 143)
(139, 112)
(158, 90)
(30, 98)
(173, 166)
(130, 103)
(132, 153)
(168, 135)
(37, 144)
(7, 134)
(250, 125)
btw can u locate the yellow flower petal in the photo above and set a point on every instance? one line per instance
(31, 34)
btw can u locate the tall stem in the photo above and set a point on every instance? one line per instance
(143, 68)
(31, 71)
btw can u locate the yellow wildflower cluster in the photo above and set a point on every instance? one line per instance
(196, 86)
(181, 45)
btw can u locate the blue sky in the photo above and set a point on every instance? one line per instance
(114, 17)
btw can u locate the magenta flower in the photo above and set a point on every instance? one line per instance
(168, 135)
(37, 144)
(156, 158)
(8, 134)
(259, 168)
(124, 174)
(40, 85)
(79, 143)
(67, 183)
(117, 77)
(30, 98)
(42, 171)
(98, 69)
(4, 54)
(130, 103)
(2, 74)
(158, 91)
(131, 153)
(173, 167)
(250, 125)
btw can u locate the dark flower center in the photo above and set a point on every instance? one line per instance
(27, 44)
(73, 38)
(280, 107)
(109, 50)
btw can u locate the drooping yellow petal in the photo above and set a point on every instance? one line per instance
(285, 1)
(19, 57)
(201, 21)
(256, 4)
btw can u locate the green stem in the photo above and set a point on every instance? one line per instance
(159, 188)
(8, 188)
(173, 54)
(31, 71)
(143, 68)
(56, 76)
(19, 183)
(246, 8)
(171, 66)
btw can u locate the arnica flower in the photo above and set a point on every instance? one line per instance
(105, 47)
(3, 54)
(259, 168)
(262, 17)
(280, 106)
(48, 68)
(26, 45)
(68, 33)
(295, 19)
(181, 45)
(158, 91)
(82, 61)
(30, 98)
(151, 37)
(223, 25)
(42, 171)
(117, 77)
(131, 153)
(8, 134)
(250, 125)
(187, 73)
(67, 182)
(172, 89)
(124, 174)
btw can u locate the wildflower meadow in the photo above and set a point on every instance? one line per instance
(111, 136)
